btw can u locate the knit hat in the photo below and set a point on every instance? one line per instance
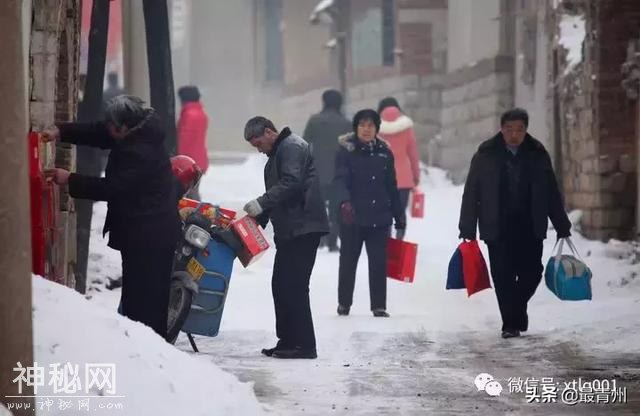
(367, 114)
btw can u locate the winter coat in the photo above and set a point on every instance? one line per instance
(397, 130)
(138, 184)
(322, 132)
(366, 177)
(192, 134)
(292, 200)
(484, 193)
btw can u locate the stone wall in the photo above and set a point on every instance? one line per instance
(598, 122)
(473, 99)
(54, 49)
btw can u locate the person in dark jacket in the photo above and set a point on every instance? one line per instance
(142, 219)
(322, 132)
(294, 205)
(510, 192)
(367, 192)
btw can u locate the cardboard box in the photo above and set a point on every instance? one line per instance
(253, 240)
(219, 216)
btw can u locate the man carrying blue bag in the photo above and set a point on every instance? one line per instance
(511, 192)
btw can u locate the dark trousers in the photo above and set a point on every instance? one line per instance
(146, 278)
(404, 198)
(516, 268)
(331, 239)
(375, 239)
(292, 269)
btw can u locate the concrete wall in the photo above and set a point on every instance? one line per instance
(473, 31)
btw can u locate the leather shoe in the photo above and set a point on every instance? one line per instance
(296, 352)
(510, 333)
(343, 310)
(380, 313)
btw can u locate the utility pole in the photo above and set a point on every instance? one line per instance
(156, 22)
(88, 158)
(16, 341)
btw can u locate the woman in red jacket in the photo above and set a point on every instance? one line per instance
(397, 130)
(192, 131)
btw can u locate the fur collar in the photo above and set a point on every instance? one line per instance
(398, 125)
(350, 142)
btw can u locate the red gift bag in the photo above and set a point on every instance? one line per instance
(401, 260)
(474, 268)
(417, 203)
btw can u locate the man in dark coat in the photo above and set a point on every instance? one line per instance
(322, 132)
(367, 192)
(142, 219)
(511, 191)
(294, 205)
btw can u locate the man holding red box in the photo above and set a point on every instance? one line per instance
(294, 205)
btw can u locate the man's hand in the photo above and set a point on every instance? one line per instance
(253, 208)
(50, 134)
(400, 234)
(347, 213)
(58, 176)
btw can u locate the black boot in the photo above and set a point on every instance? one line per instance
(343, 310)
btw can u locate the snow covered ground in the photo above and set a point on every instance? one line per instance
(422, 360)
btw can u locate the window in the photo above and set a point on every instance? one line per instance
(373, 33)
(273, 40)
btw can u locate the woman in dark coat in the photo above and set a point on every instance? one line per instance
(369, 201)
(142, 219)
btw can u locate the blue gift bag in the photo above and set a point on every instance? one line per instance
(566, 276)
(455, 277)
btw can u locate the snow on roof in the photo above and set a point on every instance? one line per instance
(572, 35)
(321, 7)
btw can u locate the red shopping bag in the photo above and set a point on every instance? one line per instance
(417, 203)
(474, 268)
(401, 260)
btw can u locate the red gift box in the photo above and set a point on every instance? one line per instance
(417, 203)
(253, 241)
(401, 260)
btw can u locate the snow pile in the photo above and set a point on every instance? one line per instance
(572, 36)
(154, 377)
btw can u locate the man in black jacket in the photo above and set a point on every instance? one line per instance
(142, 218)
(367, 192)
(294, 205)
(322, 132)
(511, 191)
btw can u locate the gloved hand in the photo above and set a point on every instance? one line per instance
(347, 213)
(253, 208)
(560, 236)
(400, 233)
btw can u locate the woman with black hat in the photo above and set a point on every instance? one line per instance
(369, 201)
